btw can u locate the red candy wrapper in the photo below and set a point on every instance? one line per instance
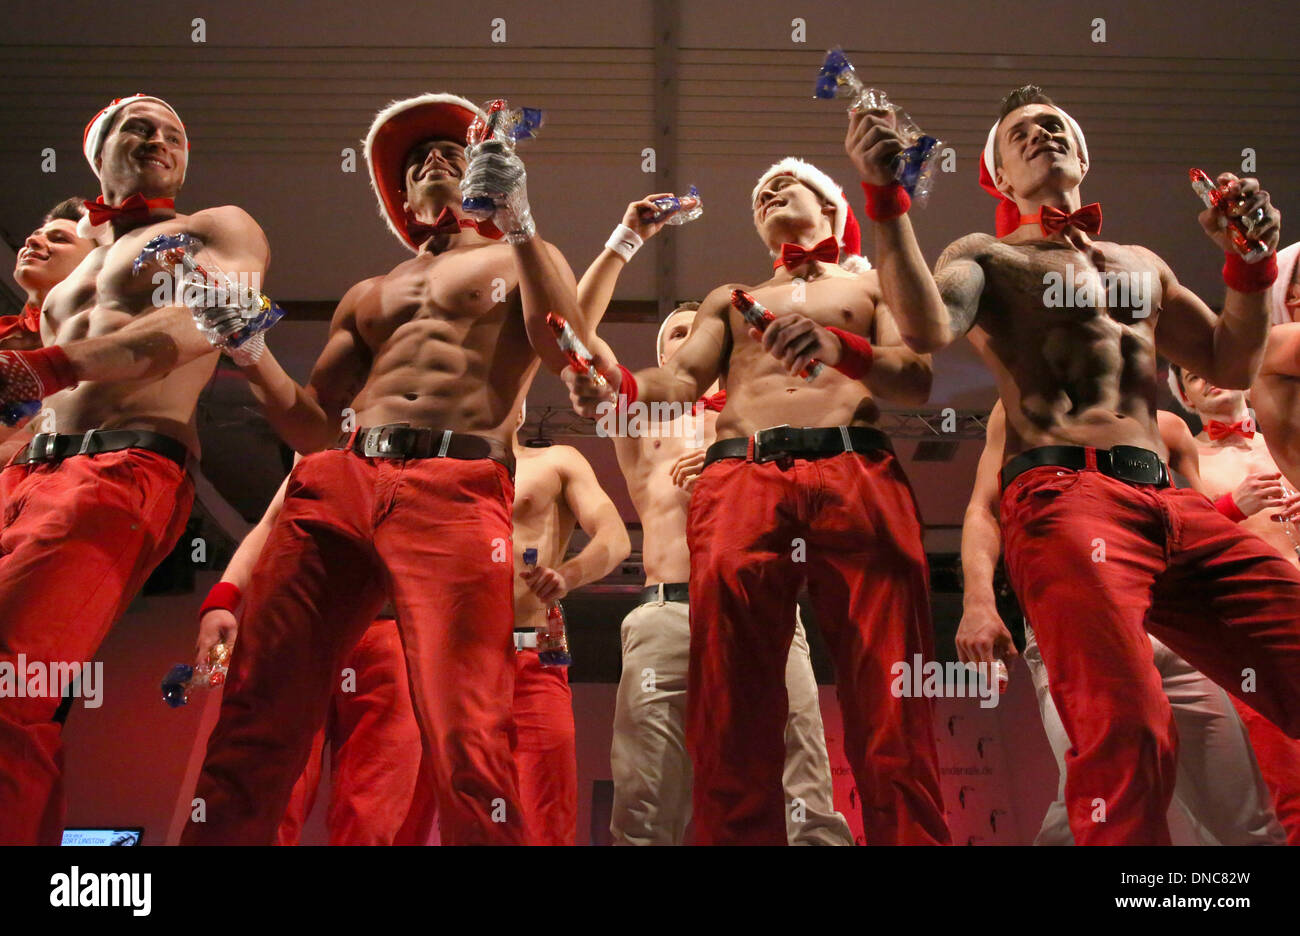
(760, 317)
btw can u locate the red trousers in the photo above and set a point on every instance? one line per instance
(434, 534)
(78, 541)
(546, 753)
(378, 796)
(1279, 763)
(1092, 560)
(847, 526)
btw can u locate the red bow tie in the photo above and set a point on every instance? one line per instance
(1087, 219)
(714, 403)
(135, 208)
(447, 223)
(1221, 430)
(793, 256)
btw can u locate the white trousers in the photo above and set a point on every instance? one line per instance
(650, 765)
(1219, 786)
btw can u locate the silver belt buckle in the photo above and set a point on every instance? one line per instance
(42, 447)
(377, 442)
(759, 454)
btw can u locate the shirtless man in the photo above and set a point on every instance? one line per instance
(425, 368)
(1219, 784)
(555, 490)
(92, 510)
(648, 759)
(1083, 474)
(49, 254)
(1242, 478)
(777, 507)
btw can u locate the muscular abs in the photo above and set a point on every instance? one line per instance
(448, 352)
(1070, 338)
(761, 394)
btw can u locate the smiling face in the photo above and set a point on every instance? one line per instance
(145, 151)
(431, 176)
(786, 209)
(48, 255)
(1036, 151)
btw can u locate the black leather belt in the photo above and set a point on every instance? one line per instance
(48, 447)
(1123, 462)
(672, 591)
(398, 440)
(801, 442)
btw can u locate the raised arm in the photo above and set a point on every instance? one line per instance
(596, 287)
(927, 318)
(982, 637)
(1226, 349)
(546, 284)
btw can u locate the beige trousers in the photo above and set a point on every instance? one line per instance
(1219, 786)
(651, 769)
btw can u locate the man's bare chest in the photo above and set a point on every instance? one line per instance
(459, 291)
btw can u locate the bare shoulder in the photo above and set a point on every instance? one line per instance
(971, 247)
(1143, 254)
(567, 459)
(229, 220)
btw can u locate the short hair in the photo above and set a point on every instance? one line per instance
(663, 326)
(70, 209)
(1014, 100)
(1177, 388)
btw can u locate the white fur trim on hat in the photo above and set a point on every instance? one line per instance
(816, 180)
(826, 187)
(993, 135)
(92, 140)
(390, 202)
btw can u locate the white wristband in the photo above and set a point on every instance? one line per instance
(624, 241)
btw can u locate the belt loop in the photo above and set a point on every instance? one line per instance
(85, 442)
(661, 594)
(1089, 458)
(446, 443)
(844, 435)
(751, 444)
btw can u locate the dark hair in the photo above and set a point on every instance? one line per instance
(70, 209)
(1014, 100)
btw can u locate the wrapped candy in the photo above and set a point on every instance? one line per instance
(552, 636)
(916, 165)
(579, 357)
(183, 677)
(231, 314)
(1250, 248)
(760, 317)
(678, 209)
(506, 127)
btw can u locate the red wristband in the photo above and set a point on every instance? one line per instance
(224, 595)
(52, 368)
(1244, 277)
(886, 202)
(857, 355)
(1228, 507)
(626, 387)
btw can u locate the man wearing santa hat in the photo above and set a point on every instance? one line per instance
(423, 371)
(649, 763)
(94, 505)
(1099, 547)
(800, 488)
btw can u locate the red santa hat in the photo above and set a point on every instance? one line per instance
(844, 224)
(1007, 217)
(92, 141)
(396, 129)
